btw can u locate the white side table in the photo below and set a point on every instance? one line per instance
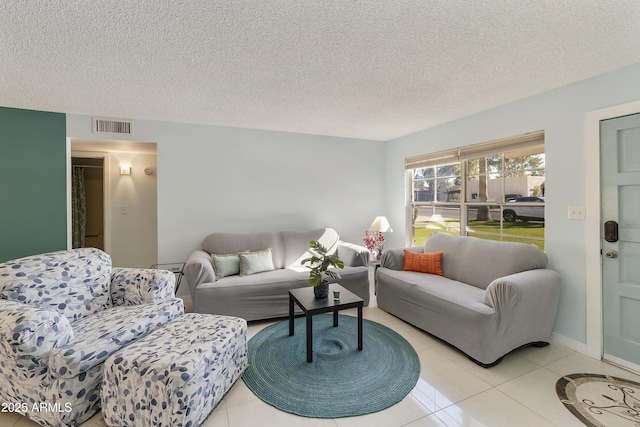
(374, 265)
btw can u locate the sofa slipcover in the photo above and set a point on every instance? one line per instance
(61, 315)
(266, 295)
(494, 296)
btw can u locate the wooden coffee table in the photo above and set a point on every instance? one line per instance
(311, 305)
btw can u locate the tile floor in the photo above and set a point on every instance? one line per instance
(451, 391)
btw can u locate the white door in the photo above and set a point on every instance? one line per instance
(620, 178)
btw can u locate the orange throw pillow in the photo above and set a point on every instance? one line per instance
(423, 263)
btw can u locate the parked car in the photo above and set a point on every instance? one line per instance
(511, 212)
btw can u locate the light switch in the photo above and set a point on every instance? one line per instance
(124, 209)
(576, 212)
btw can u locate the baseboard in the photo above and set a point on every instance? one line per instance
(569, 343)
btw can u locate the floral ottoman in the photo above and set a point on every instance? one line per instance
(177, 374)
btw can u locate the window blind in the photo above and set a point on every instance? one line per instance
(524, 145)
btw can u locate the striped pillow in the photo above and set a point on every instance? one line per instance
(423, 263)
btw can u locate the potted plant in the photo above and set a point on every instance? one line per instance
(319, 266)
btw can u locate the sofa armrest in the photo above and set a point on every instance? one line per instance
(135, 286)
(29, 330)
(525, 299)
(393, 259)
(198, 269)
(353, 255)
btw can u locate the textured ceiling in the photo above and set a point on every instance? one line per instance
(373, 69)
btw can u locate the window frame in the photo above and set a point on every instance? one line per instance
(524, 145)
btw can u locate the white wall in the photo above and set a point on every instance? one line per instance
(561, 114)
(134, 240)
(240, 180)
(226, 179)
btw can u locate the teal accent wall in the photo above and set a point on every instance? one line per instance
(33, 183)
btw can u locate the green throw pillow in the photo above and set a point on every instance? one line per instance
(225, 265)
(256, 262)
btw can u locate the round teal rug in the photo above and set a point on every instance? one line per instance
(341, 381)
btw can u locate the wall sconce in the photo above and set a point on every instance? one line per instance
(125, 170)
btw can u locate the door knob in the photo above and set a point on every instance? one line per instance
(611, 253)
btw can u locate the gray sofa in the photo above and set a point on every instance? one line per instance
(494, 297)
(265, 295)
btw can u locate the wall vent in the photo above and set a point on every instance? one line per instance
(121, 127)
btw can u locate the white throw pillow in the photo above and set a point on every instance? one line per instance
(256, 262)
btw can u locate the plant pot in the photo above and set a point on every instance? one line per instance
(322, 290)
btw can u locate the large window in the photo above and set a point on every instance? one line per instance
(490, 191)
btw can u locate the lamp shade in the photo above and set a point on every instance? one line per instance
(380, 224)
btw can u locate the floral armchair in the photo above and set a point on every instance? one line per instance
(61, 315)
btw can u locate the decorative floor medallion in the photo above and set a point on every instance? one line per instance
(601, 400)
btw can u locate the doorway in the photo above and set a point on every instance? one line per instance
(130, 202)
(87, 202)
(595, 231)
(620, 203)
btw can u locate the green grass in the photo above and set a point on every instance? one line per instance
(519, 231)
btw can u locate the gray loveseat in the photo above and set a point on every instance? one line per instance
(265, 294)
(494, 297)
